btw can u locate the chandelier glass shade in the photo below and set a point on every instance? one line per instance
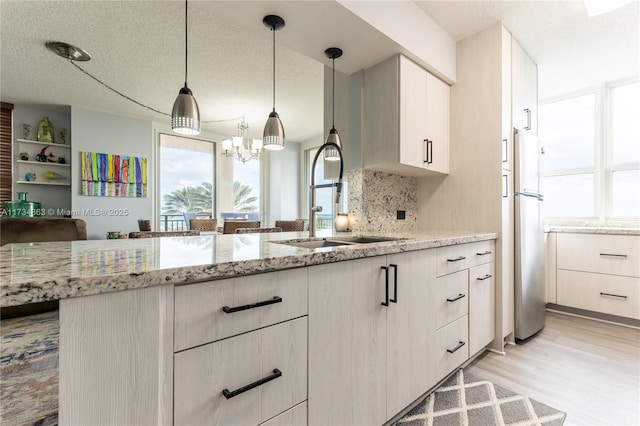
(241, 147)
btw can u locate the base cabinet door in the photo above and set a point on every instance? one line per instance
(481, 307)
(410, 329)
(347, 343)
(213, 383)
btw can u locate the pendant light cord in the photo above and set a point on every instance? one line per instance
(273, 30)
(333, 95)
(186, 44)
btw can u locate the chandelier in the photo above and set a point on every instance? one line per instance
(241, 147)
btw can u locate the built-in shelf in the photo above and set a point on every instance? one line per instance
(35, 182)
(40, 163)
(44, 143)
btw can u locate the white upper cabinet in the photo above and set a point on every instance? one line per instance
(524, 91)
(406, 119)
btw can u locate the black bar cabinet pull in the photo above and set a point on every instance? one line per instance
(386, 286)
(457, 259)
(486, 277)
(230, 394)
(613, 295)
(483, 253)
(430, 148)
(395, 283)
(458, 346)
(426, 151)
(458, 297)
(228, 310)
(613, 255)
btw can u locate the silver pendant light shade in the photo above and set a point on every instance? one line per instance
(331, 153)
(185, 116)
(273, 135)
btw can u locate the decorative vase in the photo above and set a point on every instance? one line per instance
(45, 130)
(342, 222)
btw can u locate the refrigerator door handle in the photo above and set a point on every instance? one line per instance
(530, 194)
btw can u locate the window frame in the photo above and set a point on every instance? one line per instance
(603, 166)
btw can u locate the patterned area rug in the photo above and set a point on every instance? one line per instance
(467, 400)
(29, 370)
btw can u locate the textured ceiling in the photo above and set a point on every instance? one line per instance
(137, 47)
(573, 51)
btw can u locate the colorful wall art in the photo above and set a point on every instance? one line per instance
(112, 175)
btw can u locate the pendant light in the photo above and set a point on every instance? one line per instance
(331, 154)
(273, 135)
(185, 117)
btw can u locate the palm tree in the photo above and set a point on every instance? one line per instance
(187, 199)
(243, 201)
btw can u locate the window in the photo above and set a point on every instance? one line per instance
(592, 154)
(246, 188)
(186, 180)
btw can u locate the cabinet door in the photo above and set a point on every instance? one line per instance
(413, 113)
(347, 343)
(482, 321)
(437, 117)
(524, 89)
(411, 368)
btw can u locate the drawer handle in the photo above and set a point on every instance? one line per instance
(458, 297)
(613, 295)
(613, 255)
(483, 253)
(228, 310)
(458, 346)
(486, 277)
(457, 259)
(230, 394)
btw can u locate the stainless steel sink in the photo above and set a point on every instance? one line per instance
(334, 242)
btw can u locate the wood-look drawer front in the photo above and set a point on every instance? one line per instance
(297, 416)
(452, 301)
(606, 254)
(462, 256)
(201, 374)
(609, 294)
(199, 314)
(452, 344)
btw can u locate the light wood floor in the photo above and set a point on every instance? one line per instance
(586, 368)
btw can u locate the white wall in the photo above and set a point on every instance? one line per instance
(51, 197)
(107, 133)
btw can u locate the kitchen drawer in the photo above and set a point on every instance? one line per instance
(451, 346)
(462, 256)
(199, 314)
(609, 294)
(297, 416)
(482, 313)
(201, 374)
(452, 299)
(606, 254)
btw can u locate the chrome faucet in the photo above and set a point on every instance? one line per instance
(313, 209)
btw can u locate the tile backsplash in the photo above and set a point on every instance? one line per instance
(375, 197)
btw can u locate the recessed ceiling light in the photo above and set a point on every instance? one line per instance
(67, 51)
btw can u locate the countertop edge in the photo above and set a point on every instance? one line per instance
(54, 289)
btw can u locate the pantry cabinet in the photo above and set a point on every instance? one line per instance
(405, 119)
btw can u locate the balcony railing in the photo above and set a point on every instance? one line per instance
(175, 222)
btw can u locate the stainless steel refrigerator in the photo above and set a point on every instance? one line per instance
(529, 236)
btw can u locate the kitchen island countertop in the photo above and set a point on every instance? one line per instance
(37, 272)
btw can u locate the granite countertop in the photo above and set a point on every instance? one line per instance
(36, 272)
(593, 227)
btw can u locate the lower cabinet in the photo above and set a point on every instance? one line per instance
(371, 328)
(598, 273)
(482, 302)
